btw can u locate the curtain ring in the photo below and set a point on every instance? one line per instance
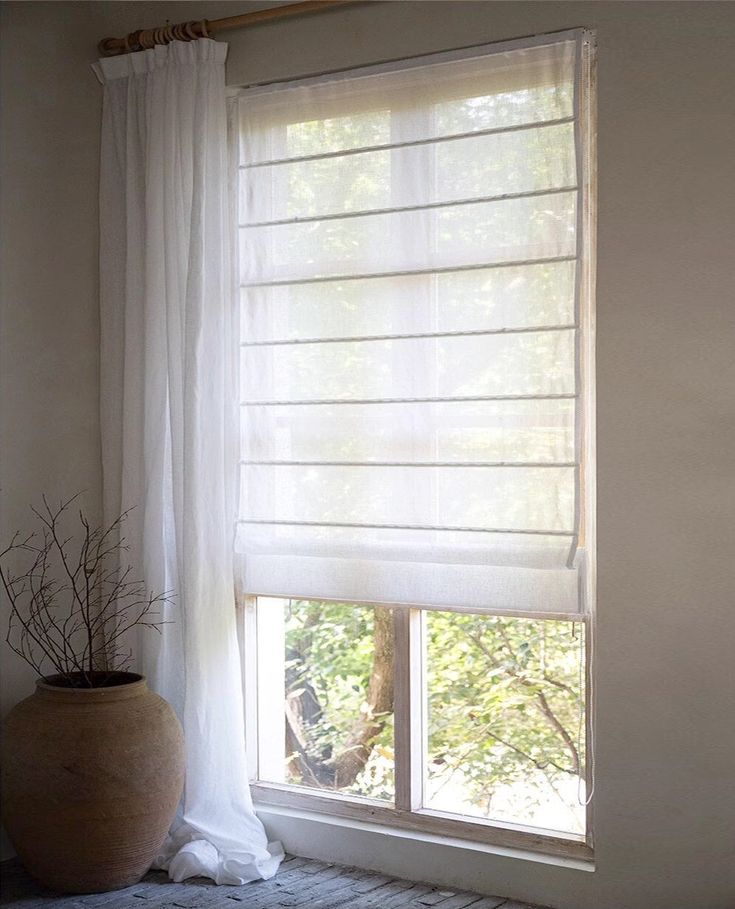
(204, 27)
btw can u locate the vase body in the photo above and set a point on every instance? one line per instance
(91, 781)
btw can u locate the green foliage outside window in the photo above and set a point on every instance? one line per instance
(503, 705)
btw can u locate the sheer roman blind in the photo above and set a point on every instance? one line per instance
(411, 243)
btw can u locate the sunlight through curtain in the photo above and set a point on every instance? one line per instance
(410, 350)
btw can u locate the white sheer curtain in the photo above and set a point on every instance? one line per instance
(167, 406)
(410, 351)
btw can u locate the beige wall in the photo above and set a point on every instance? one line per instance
(49, 431)
(665, 671)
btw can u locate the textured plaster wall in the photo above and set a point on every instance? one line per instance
(665, 673)
(49, 117)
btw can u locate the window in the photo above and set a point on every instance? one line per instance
(415, 536)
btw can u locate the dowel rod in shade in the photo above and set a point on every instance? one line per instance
(145, 38)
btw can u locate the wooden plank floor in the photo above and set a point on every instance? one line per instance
(300, 883)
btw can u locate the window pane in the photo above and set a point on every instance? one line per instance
(325, 693)
(505, 719)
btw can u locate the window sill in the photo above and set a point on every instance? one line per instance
(510, 841)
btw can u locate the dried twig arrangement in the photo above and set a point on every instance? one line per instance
(72, 602)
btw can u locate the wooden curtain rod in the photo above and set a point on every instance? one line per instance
(145, 38)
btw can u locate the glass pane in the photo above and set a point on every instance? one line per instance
(506, 719)
(325, 696)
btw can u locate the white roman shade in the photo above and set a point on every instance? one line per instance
(411, 262)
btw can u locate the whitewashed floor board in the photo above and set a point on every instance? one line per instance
(300, 884)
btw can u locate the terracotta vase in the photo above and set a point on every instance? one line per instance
(91, 781)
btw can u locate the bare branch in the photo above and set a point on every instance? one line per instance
(73, 602)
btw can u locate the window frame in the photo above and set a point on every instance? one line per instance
(407, 813)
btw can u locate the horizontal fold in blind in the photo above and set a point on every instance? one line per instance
(496, 231)
(410, 381)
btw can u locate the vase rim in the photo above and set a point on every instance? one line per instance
(120, 685)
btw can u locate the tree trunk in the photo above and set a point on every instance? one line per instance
(340, 770)
(352, 758)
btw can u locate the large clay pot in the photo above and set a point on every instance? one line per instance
(91, 781)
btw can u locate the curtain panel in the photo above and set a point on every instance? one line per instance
(168, 375)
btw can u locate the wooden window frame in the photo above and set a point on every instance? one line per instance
(407, 812)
